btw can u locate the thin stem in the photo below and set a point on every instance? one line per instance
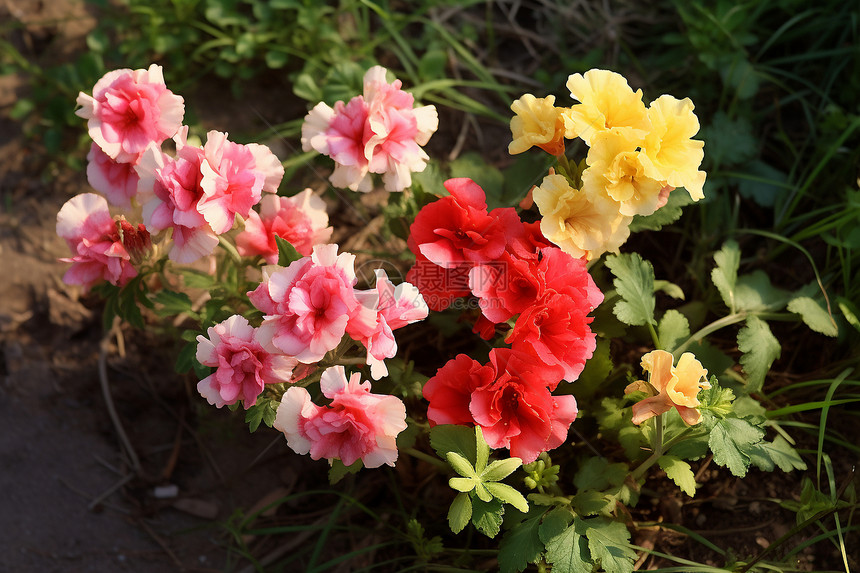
(654, 336)
(418, 454)
(231, 250)
(658, 449)
(709, 328)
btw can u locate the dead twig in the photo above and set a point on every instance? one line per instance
(105, 384)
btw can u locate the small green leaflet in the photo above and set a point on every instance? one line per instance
(263, 411)
(287, 253)
(634, 282)
(779, 452)
(731, 441)
(674, 329)
(339, 471)
(460, 512)
(814, 315)
(566, 547)
(172, 303)
(725, 274)
(679, 472)
(665, 215)
(760, 348)
(487, 516)
(609, 543)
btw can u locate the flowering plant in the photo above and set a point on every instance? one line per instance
(284, 315)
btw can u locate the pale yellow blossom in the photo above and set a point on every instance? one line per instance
(606, 103)
(581, 224)
(676, 157)
(537, 123)
(619, 170)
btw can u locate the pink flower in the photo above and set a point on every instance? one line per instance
(86, 225)
(301, 220)
(356, 425)
(173, 188)
(130, 109)
(394, 307)
(116, 181)
(379, 132)
(517, 411)
(231, 182)
(308, 305)
(450, 390)
(242, 366)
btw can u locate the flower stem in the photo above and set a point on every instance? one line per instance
(231, 250)
(418, 454)
(656, 453)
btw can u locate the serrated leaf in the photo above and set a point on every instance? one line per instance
(730, 440)
(566, 548)
(172, 303)
(670, 289)
(725, 274)
(679, 472)
(691, 448)
(287, 253)
(450, 438)
(460, 512)
(500, 469)
(778, 452)
(339, 470)
(760, 349)
(521, 544)
(590, 502)
(487, 516)
(814, 315)
(729, 142)
(263, 411)
(665, 215)
(754, 292)
(507, 494)
(598, 474)
(609, 543)
(634, 282)
(596, 371)
(482, 451)
(674, 329)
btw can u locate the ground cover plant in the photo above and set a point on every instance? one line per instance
(564, 297)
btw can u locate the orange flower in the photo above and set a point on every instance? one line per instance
(675, 386)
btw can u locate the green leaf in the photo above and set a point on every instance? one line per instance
(490, 179)
(591, 502)
(507, 494)
(482, 451)
(760, 349)
(674, 329)
(814, 315)
(172, 303)
(461, 465)
(728, 141)
(461, 484)
(566, 548)
(779, 452)
(725, 274)
(670, 289)
(460, 512)
(764, 184)
(731, 440)
(596, 370)
(679, 472)
(487, 516)
(287, 253)
(609, 543)
(521, 544)
(263, 411)
(598, 474)
(754, 292)
(500, 469)
(450, 438)
(338, 470)
(665, 215)
(634, 282)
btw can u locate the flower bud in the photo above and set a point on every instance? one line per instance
(135, 240)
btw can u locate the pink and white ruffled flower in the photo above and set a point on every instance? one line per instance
(116, 181)
(242, 366)
(172, 186)
(308, 304)
(85, 223)
(130, 109)
(379, 132)
(302, 220)
(234, 177)
(356, 425)
(395, 307)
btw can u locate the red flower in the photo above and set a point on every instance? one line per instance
(517, 411)
(450, 390)
(439, 286)
(505, 287)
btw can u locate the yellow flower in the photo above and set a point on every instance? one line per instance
(581, 224)
(676, 387)
(537, 122)
(676, 157)
(606, 103)
(620, 171)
